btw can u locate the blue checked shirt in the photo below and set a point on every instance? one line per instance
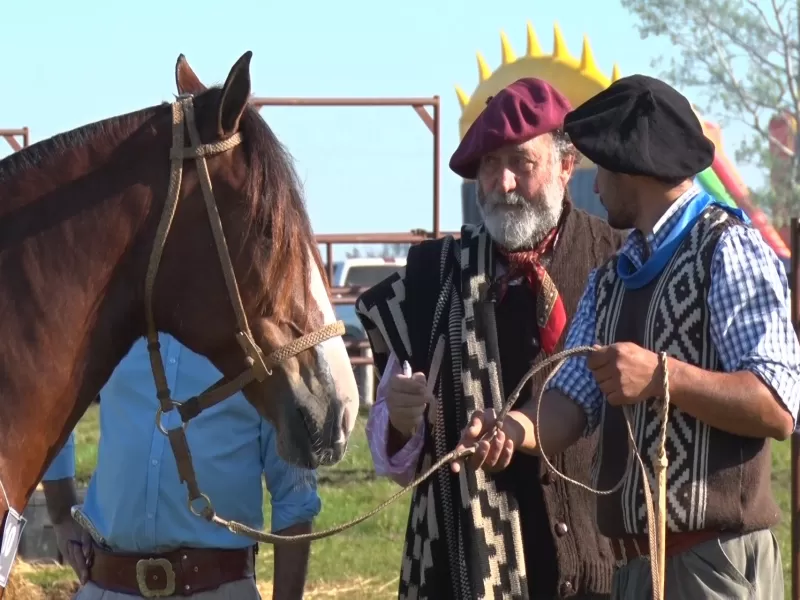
(135, 500)
(749, 307)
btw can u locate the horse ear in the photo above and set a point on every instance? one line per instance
(234, 97)
(185, 79)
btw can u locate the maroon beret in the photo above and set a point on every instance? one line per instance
(526, 108)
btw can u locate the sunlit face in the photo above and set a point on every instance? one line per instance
(617, 199)
(521, 191)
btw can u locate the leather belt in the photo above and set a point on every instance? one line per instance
(181, 572)
(629, 548)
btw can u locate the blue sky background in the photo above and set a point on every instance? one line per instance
(364, 169)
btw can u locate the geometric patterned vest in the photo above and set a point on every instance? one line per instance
(715, 480)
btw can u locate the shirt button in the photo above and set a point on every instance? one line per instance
(565, 589)
(149, 515)
(561, 529)
(155, 462)
(547, 478)
(171, 361)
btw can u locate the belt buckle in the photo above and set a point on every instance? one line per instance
(142, 568)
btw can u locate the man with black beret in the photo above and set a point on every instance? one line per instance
(693, 280)
(495, 301)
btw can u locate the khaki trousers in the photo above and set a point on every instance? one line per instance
(731, 567)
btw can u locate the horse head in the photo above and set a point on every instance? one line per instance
(309, 394)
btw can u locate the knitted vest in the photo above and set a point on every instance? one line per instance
(716, 481)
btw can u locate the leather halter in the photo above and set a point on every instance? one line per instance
(258, 366)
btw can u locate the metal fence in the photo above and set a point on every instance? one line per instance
(11, 137)
(794, 284)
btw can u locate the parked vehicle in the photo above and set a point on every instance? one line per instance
(362, 273)
(365, 272)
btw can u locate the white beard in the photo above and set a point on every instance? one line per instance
(515, 223)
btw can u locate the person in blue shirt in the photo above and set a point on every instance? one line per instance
(136, 510)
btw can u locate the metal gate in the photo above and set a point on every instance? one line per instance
(16, 138)
(794, 284)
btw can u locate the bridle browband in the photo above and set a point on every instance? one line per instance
(258, 366)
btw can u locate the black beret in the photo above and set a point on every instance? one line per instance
(641, 126)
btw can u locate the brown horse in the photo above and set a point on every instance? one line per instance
(79, 214)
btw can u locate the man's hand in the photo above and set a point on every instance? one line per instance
(626, 373)
(492, 454)
(406, 400)
(75, 545)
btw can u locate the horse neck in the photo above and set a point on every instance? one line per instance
(72, 263)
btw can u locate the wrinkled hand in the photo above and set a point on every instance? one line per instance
(493, 454)
(406, 400)
(626, 373)
(75, 545)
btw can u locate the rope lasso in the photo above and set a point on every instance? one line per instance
(450, 457)
(660, 464)
(656, 525)
(656, 528)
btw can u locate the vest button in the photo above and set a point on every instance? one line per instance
(565, 589)
(561, 529)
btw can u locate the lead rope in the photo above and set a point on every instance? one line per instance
(257, 369)
(656, 529)
(656, 526)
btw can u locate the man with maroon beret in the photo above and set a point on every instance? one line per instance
(457, 332)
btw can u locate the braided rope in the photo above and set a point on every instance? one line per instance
(307, 342)
(656, 530)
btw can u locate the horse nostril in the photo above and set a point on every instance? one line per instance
(337, 451)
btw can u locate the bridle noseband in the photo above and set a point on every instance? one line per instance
(258, 368)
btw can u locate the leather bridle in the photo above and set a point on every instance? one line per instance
(258, 365)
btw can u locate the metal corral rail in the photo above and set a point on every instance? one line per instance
(11, 135)
(794, 284)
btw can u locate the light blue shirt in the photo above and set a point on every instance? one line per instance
(135, 500)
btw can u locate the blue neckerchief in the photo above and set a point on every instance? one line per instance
(655, 264)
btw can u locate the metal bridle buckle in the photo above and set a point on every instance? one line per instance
(160, 416)
(204, 509)
(142, 568)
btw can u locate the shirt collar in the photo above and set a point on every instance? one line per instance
(664, 225)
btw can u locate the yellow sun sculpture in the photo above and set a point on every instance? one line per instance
(577, 78)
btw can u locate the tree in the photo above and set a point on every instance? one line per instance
(741, 57)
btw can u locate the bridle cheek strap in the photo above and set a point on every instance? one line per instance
(258, 366)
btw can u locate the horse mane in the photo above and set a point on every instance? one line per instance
(276, 216)
(35, 155)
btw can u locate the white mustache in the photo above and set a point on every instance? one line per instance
(512, 199)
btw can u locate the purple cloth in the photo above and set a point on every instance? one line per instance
(402, 467)
(527, 108)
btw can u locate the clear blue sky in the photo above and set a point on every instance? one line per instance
(364, 169)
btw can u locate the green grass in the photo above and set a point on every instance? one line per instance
(370, 552)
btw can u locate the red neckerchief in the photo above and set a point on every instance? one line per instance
(551, 316)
